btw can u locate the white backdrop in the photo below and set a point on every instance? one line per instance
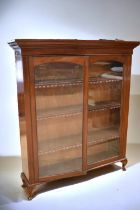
(78, 19)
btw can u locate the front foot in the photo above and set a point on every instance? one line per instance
(28, 189)
(124, 162)
(30, 192)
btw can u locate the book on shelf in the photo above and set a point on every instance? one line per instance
(117, 69)
(111, 75)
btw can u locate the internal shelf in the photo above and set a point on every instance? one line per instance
(101, 80)
(97, 136)
(103, 151)
(58, 83)
(104, 155)
(65, 111)
(59, 144)
(74, 82)
(103, 105)
(103, 135)
(68, 111)
(64, 166)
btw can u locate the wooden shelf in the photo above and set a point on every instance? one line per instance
(69, 157)
(56, 145)
(65, 111)
(61, 167)
(103, 151)
(57, 83)
(102, 135)
(101, 80)
(102, 156)
(97, 136)
(65, 83)
(104, 105)
(69, 111)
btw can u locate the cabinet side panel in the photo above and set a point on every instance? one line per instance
(125, 106)
(21, 110)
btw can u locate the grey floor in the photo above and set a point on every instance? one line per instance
(67, 193)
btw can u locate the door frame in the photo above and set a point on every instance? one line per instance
(126, 61)
(36, 60)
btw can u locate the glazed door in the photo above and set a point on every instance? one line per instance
(105, 88)
(58, 91)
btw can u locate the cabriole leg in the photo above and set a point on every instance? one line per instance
(124, 162)
(29, 189)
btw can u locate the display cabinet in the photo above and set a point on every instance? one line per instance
(73, 98)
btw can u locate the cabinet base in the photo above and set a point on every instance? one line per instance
(31, 191)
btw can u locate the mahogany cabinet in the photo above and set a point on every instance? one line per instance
(73, 99)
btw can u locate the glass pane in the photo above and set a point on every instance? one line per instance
(103, 151)
(59, 105)
(104, 103)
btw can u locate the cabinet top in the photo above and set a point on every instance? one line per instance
(71, 46)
